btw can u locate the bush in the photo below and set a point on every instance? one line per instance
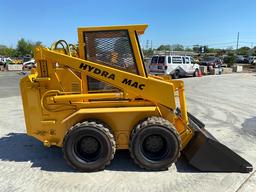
(230, 59)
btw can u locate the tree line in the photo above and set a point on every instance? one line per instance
(198, 49)
(24, 47)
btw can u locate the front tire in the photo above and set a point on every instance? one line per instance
(155, 144)
(89, 146)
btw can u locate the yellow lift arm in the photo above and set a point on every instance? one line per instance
(143, 87)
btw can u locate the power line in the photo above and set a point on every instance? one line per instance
(148, 44)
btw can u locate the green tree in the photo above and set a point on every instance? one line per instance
(177, 47)
(188, 49)
(254, 51)
(243, 50)
(34, 45)
(210, 50)
(24, 47)
(164, 48)
(148, 52)
(230, 59)
(7, 51)
(221, 52)
(196, 48)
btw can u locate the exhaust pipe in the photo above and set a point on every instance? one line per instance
(206, 153)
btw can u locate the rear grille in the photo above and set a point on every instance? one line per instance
(76, 87)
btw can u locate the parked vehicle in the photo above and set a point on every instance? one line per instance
(173, 65)
(252, 60)
(27, 57)
(5, 60)
(29, 64)
(211, 62)
(246, 59)
(242, 59)
(17, 61)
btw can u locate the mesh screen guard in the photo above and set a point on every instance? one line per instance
(112, 48)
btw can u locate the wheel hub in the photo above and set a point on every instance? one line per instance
(89, 145)
(88, 148)
(154, 147)
(154, 143)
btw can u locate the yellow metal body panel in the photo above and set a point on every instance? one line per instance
(146, 86)
(116, 110)
(55, 95)
(140, 29)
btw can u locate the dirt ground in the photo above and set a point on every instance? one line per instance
(225, 103)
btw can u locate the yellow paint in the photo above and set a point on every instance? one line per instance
(55, 95)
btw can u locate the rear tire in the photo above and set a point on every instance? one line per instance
(155, 144)
(89, 146)
(176, 74)
(196, 73)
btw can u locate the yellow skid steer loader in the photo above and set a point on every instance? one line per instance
(96, 98)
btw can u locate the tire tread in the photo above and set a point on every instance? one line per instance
(154, 120)
(97, 125)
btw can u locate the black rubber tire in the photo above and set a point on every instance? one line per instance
(196, 73)
(159, 128)
(176, 74)
(102, 144)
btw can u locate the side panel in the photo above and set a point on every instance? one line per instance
(40, 124)
(30, 99)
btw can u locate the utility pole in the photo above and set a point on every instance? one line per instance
(147, 44)
(151, 45)
(237, 41)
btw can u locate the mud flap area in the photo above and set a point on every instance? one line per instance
(206, 153)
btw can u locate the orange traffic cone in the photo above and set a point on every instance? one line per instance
(200, 73)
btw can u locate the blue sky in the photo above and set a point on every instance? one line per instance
(206, 22)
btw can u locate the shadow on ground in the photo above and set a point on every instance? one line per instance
(19, 147)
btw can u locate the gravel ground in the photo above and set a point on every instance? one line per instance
(226, 104)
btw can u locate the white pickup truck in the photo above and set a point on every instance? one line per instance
(173, 65)
(4, 60)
